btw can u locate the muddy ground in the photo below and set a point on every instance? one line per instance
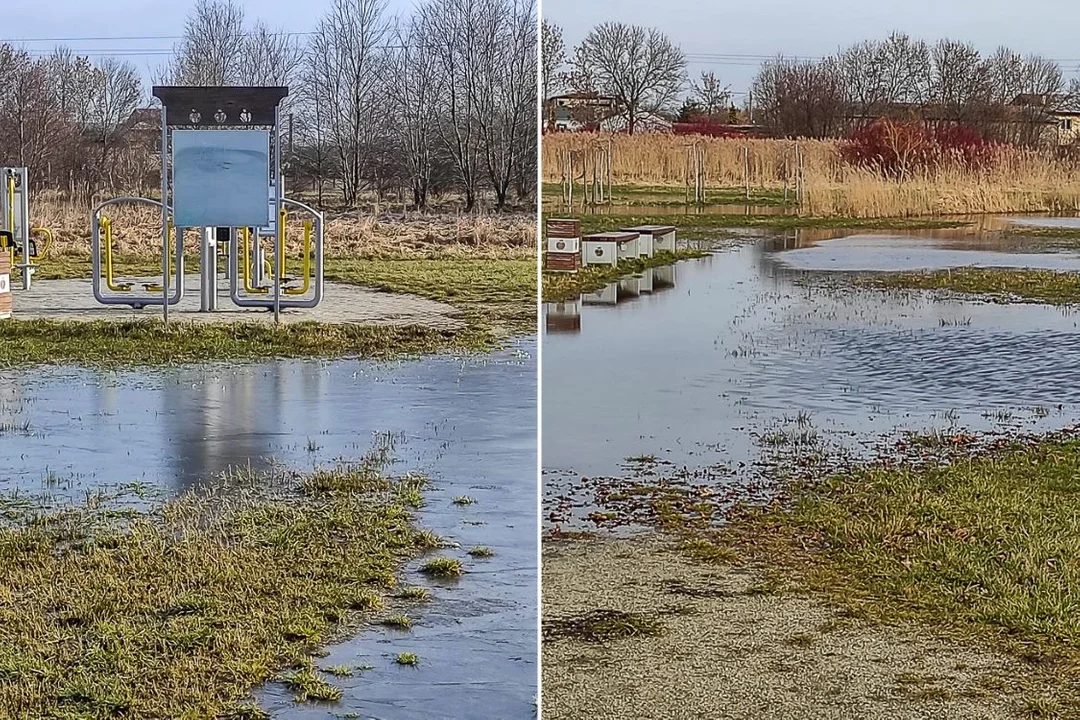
(729, 646)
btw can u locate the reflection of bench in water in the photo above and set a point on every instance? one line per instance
(562, 316)
(663, 278)
(634, 285)
(607, 295)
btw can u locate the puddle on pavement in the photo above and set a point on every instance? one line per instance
(468, 423)
(732, 351)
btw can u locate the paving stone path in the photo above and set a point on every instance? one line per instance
(341, 303)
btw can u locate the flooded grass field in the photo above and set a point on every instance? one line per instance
(79, 437)
(752, 352)
(709, 428)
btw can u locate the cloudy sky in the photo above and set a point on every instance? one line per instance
(139, 31)
(731, 38)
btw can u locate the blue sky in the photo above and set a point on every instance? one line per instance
(38, 21)
(759, 28)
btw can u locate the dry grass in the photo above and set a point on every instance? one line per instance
(348, 234)
(1020, 181)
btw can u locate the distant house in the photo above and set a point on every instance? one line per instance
(1062, 112)
(576, 112)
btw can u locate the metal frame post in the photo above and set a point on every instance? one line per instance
(279, 239)
(208, 271)
(165, 223)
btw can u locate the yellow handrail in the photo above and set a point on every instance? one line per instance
(307, 263)
(282, 216)
(106, 225)
(48, 240)
(248, 270)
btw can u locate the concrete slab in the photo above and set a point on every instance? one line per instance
(341, 303)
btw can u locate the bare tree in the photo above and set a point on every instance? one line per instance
(117, 90)
(213, 46)
(349, 50)
(413, 75)
(800, 98)
(641, 68)
(552, 59)
(709, 96)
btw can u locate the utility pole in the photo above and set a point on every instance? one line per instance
(750, 104)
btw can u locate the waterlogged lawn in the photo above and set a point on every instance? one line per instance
(496, 296)
(116, 343)
(1040, 286)
(179, 612)
(987, 546)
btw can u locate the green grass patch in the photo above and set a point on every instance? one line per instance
(407, 658)
(442, 567)
(481, 551)
(182, 610)
(117, 343)
(491, 293)
(310, 685)
(700, 224)
(677, 195)
(986, 546)
(497, 298)
(1038, 286)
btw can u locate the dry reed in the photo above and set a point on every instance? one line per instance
(137, 231)
(1017, 181)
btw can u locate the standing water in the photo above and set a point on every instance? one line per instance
(468, 423)
(703, 369)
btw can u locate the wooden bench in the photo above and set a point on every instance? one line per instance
(608, 248)
(654, 238)
(563, 252)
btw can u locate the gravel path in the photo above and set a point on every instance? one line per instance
(728, 651)
(341, 303)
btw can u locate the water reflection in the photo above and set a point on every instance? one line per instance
(468, 423)
(694, 376)
(565, 317)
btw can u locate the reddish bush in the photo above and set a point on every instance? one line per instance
(896, 148)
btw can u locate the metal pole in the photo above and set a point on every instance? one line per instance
(165, 218)
(208, 270)
(279, 253)
(23, 203)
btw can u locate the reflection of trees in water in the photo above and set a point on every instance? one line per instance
(222, 423)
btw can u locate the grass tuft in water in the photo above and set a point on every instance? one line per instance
(398, 621)
(482, 551)
(442, 567)
(415, 593)
(310, 685)
(407, 658)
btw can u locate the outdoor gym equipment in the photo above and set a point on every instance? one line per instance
(221, 177)
(16, 235)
